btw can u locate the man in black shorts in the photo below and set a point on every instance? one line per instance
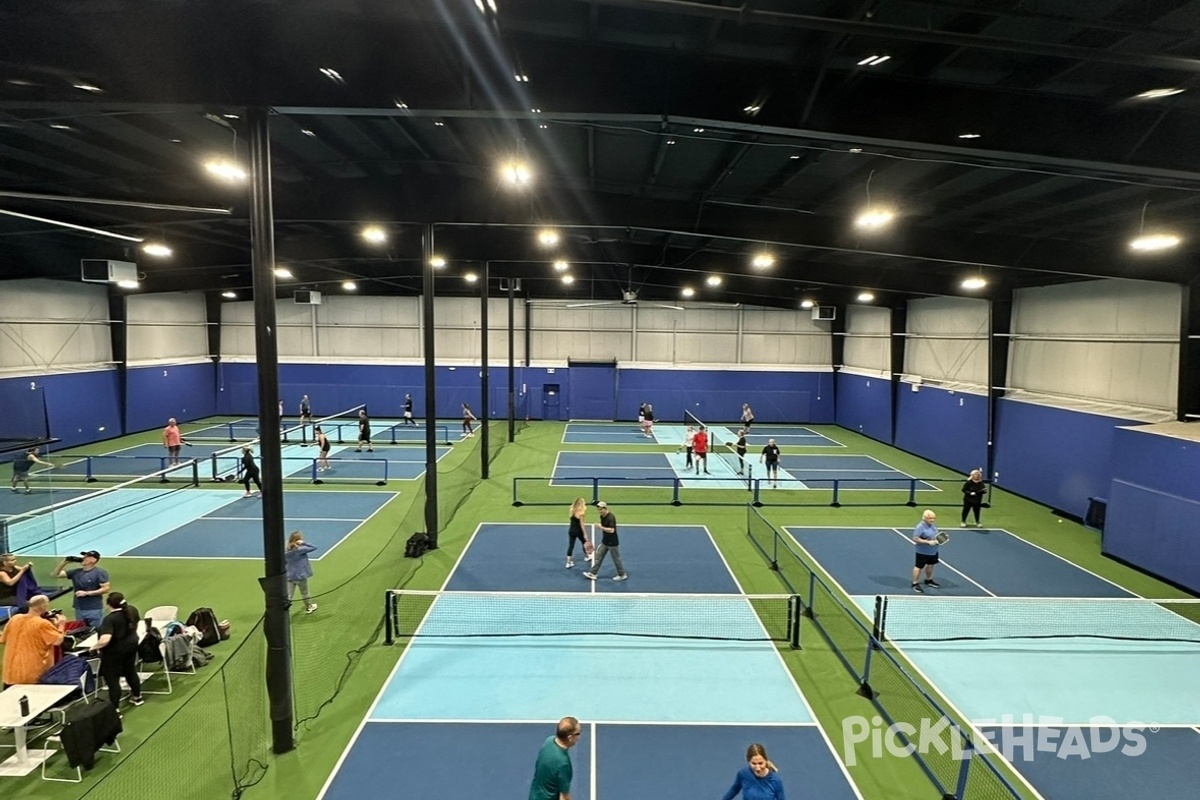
(364, 432)
(408, 417)
(770, 456)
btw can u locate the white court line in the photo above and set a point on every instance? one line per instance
(594, 771)
(1061, 558)
(289, 519)
(908, 538)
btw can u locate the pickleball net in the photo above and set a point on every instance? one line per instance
(712, 617)
(226, 464)
(691, 419)
(65, 526)
(952, 619)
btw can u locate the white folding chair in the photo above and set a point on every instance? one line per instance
(116, 748)
(159, 616)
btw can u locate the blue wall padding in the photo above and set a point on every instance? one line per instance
(1059, 458)
(1154, 531)
(1153, 515)
(864, 405)
(717, 396)
(593, 392)
(83, 406)
(155, 394)
(948, 428)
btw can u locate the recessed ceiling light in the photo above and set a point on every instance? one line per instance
(873, 60)
(752, 109)
(568, 279)
(20, 82)
(127, 284)
(865, 297)
(87, 87)
(855, 149)
(471, 277)
(1155, 241)
(670, 141)
(350, 286)
(58, 126)
(283, 272)
(762, 261)
(231, 116)
(687, 291)
(177, 141)
(333, 75)
(400, 103)
(1155, 94)
(561, 266)
(516, 173)
(874, 218)
(438, 123)
(807, 304)
(973, 283)
(543, 126)
(697, 130)
(969, 135)
(374, 234)
(547, 237)
(307, 132)
(156, 249)
(225, 170)
(713, 280)
(794, 156)
(437, 262)
(521, 77)
(536, 110)
(229, 295)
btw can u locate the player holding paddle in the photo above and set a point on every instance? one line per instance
(926, 538)
(173, 440)
(22, 464)
(576, 532)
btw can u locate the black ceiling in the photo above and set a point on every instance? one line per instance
(672, 139)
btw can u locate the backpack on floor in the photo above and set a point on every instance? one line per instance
(417, 544)
(205, 620)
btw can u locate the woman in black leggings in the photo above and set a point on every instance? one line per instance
(117, 647)
(250, 471)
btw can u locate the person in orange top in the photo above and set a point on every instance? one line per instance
(29, 641)
(172, 440)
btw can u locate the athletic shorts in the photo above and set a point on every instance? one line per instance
(175, 449)
(926, 561)
(408, 415)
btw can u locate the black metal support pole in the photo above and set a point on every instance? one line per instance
(431, 443)
(485, 413)
(212, 322)
(899, 327)
(118, 332)
(274, 580)
(512, 370)
(999, 326)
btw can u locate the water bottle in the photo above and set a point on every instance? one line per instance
(24, 701)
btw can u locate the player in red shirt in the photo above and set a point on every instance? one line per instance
(700, 449)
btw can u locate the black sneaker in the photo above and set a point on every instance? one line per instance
(933, 583)
(917, 588)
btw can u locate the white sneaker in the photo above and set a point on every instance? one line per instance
(962, 524)
(570, 563)
(620, 577)
(590, 576)
(311, 607)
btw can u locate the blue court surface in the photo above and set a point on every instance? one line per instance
(694, 704)
(980, 639)
(672, 434)
(189, 523)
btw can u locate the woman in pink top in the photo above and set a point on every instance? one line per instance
(172, 440)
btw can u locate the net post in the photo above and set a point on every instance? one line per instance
(595, 491)
(195, 472)
(757, 502)
(90, 478)
(836, 486)
(675, 483)
(315, 479)
(384, 482)
(389, 637)
(231, 436)
(960, 791)
(912, 493)
(795, 610)
(516, 503)
(162, 467)
(812, 594)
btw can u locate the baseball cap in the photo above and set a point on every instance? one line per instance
(602, 504)
(93, 553)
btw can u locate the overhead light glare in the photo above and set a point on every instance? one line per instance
(437, 123)
(874, 60)
(333, 75)
(471, 277)
(697, 130)
(713, 280)
(687, 291)
(561, 266)
(229, 295)
(762, 261)
(865, 297)
(58, 126)
(855, 149)
(1153, 242)
(970, 135)
(231, 116)
(521, 77)
(437, 262)
(156, 249)
(399, 103)
(670, 141)
(87, 87)
(492, 6)
(225, 170)
(516, 173)
(794, 156)
(350, 286)
(536, 110)
(307, 132)
(374, 234)
(283, 272)
(568, 279)
(807, 303)
(1155, 94)
(752, 109)
(177, 141)
(127, 284)
(973, 283)
(548, 237)
(874, 218)
(543, 126)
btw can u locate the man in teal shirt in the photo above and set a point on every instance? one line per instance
(552, 773)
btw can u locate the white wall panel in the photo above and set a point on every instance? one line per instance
(947, 340)
(868, 341)
(166, 326)
(53, 325)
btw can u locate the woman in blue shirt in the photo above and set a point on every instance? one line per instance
(758, 780)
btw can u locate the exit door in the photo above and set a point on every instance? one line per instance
(551, 401)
